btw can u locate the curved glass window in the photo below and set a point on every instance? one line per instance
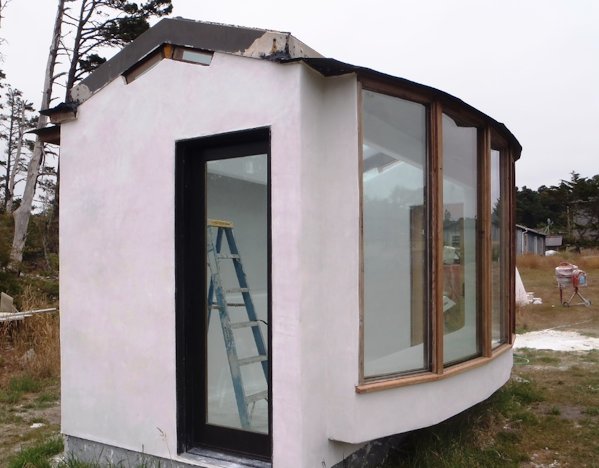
(499, 252)
(460, 213)
(394, 182)
(435, 239)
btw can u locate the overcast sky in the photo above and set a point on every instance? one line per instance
(531, 64)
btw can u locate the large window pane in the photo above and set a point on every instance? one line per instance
(498, 253)
(461, 340)
(394, 236)
(237, 193)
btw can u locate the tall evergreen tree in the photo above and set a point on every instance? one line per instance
(572, 206)
(15, 121)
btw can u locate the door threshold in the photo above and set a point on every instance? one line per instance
(225, 460)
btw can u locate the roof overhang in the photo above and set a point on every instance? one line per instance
(263, 44)
(212, 37)
(48, 134)
(331, 67)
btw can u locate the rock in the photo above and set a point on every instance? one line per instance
(28, 356)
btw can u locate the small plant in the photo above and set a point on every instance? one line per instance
(17, 387)
(37, 455)
(549, 360)
(24, 384)
(555, 411)
(524, 392)
(592, 411)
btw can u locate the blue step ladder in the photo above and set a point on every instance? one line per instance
(217, 299)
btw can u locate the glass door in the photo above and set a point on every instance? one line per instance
(237, 285)
(223, 293)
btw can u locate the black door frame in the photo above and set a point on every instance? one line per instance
(190, 292)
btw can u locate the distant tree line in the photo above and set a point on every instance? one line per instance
(570, 209)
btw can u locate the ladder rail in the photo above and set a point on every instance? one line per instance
(247, 298)
(218, 246)
(217, 299)
(229, 339)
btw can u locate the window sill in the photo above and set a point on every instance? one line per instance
(376, 385)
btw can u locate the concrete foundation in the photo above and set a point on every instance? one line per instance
(104, 454)
(372, 455)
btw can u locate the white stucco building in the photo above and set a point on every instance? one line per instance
(379, 299)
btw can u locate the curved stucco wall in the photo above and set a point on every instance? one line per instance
(117, 261)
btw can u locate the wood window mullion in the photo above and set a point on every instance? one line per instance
(435, 206)
(484, 257)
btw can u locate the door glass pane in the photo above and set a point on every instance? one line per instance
(498, 253)
(460, 283)
(394, 235)
(237, 258)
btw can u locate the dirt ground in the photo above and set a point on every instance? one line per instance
(29, 404)
(27, 421)
(566, 429)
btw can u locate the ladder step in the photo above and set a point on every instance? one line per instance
(227, 257)
(251, 360)
(253, 323)
(257, 396)
(230, 304)
(238, 290)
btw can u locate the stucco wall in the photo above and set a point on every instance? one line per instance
(117, 238)
(117, 262)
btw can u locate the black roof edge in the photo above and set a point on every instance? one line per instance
(48, 134)
(60, 108)
(332, 67)
(236, 39)
(175, 31)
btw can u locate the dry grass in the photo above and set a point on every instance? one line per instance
(31, 346)
(538, 276)
(29, 381)
(586, 260)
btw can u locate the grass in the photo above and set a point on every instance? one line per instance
(490, 434)
(29, 384)
(37, 455)
(18, 386)
(548, 414)
(538, 276)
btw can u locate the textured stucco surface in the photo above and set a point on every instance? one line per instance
(117, 262)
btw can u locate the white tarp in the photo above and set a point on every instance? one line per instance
(521, 295)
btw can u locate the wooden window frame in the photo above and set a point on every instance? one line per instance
(487, 137)
(165, 51)
(147, 63)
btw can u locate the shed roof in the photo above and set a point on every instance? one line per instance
(527, 229)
